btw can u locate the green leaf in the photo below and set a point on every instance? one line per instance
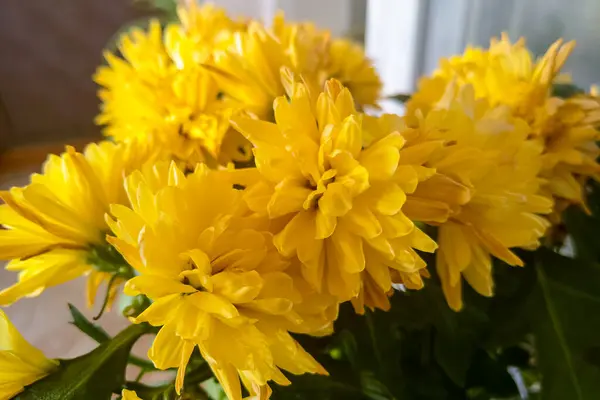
(566, 323)
(456, 334)
(349, 347)
(508, 311)
(583, 228)
(421, 349)
(84, 325)
(115, 40)
(373, 388)
(456, 340)
(94, 376)
(316, 387)
(100, 336)
(401, 97)
(490, 374)
(453, 352)
(566, 90)
(163, 392)
(214, 389)
(169, 7)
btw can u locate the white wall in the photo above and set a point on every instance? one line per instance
(392, 38)
(247, 8)
(342, 17)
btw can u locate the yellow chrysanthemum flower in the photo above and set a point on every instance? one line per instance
(328, 58)
(486, 150)
(437, 196)
(568, 129)
(349, 64)
(216, 280)
(506, 74)
(306, 45)
(202, 29)
(159, 91)
(336, 200)
(249, 73)
(21, 364)
(54, 229)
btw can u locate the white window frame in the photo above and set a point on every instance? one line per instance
(391, 41)
(340, 16)
(406, 38)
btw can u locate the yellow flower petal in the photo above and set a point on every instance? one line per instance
(21, 364)
(129, 395)
(46, 270)
(325, 225)
(186, 353)
(457, 249)
(167, 350)
(381, 162)
(289, 196)
(155, 286)
(362, 221)
(336, 201)
(214, 304)
(349, 137)
(348, 250)
(237, 287)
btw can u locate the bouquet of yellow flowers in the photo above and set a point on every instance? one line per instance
(279, 237)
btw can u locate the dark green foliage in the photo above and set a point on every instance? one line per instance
(168, 8)
(84, 325)
(542, 324)
(94, 376)
(566, 325)
(400, 97)
(165, 11)
(583, 227)
(566, 90)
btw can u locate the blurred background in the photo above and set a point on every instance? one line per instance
(50, 50)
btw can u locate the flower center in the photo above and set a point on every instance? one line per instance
(195, 277)
(318, 189)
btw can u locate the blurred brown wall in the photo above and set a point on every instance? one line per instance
(48, 53)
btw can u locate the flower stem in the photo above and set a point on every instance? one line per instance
(111, 282)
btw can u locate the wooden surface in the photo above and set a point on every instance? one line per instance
(48, 53)
(24, 158)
